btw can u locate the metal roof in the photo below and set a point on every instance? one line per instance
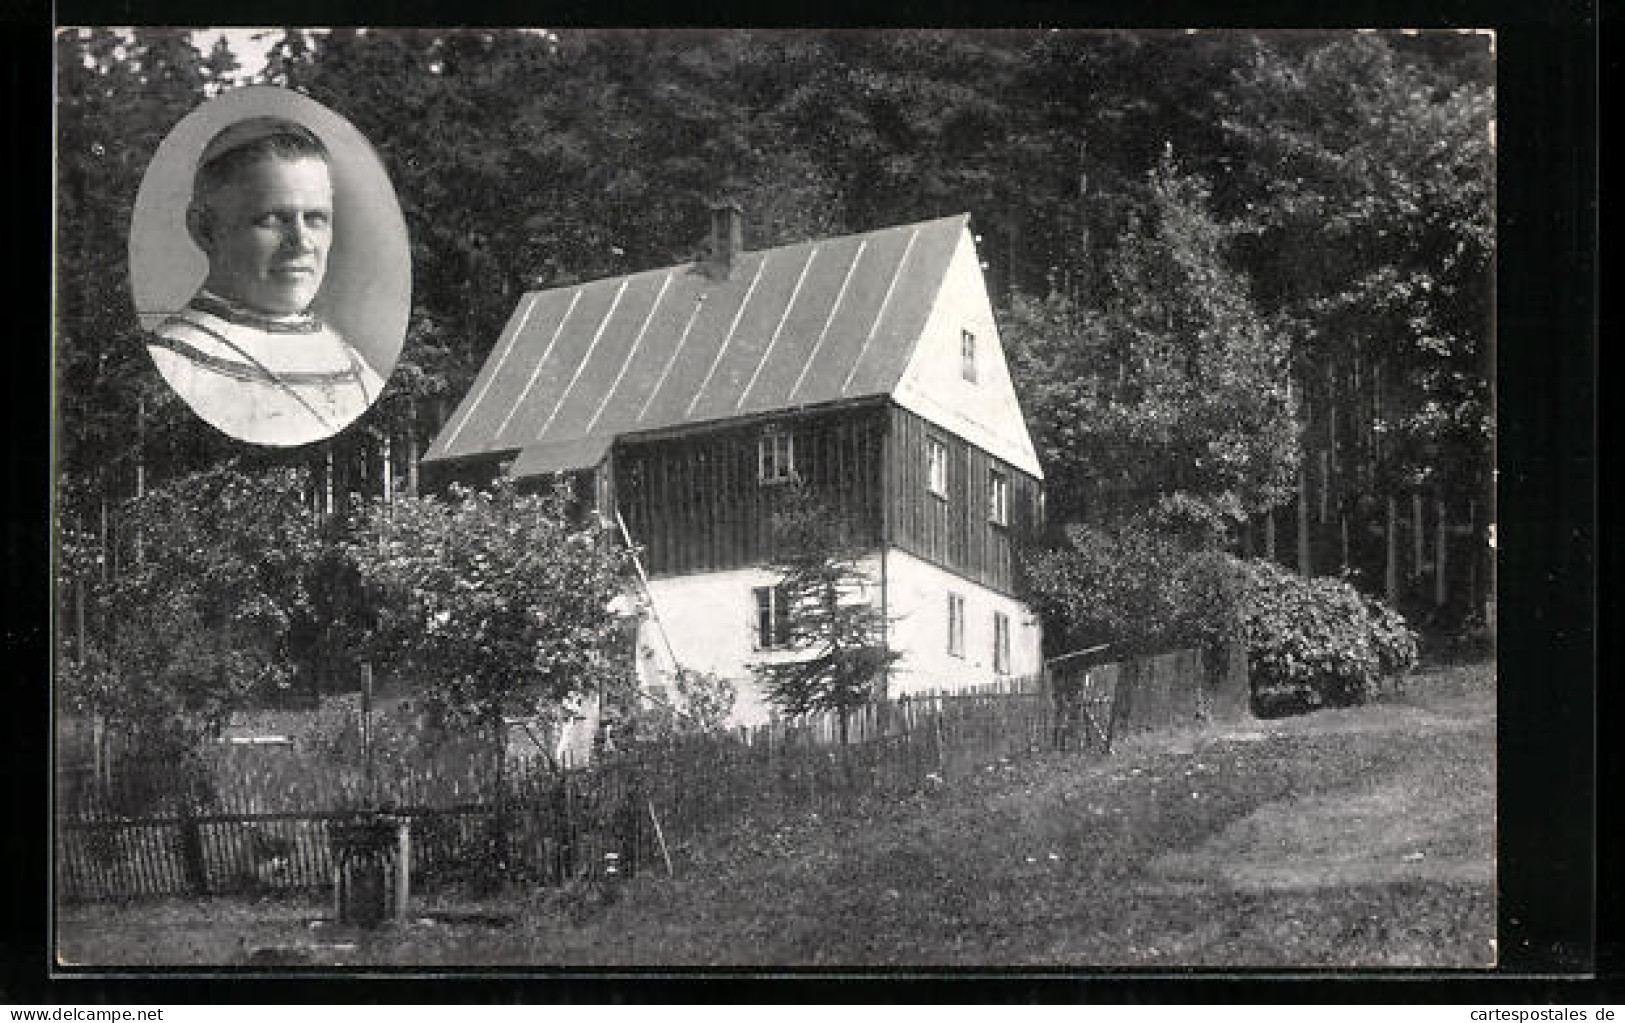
(552, 456)
(800, 325)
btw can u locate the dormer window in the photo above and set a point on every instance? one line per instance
(967, 355)
(775, 456)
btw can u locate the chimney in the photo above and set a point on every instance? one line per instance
(727, 239)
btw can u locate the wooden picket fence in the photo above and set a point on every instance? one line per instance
(546, 836)
(651, 802)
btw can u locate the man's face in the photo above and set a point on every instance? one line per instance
(267, 233)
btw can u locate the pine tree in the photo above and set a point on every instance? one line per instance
(833, 635)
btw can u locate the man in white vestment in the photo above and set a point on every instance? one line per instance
(246, 353)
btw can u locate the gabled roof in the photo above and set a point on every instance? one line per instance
(801, 325)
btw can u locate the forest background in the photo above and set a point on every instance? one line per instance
(1245, 281)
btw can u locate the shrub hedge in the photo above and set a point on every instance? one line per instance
(1317, 640)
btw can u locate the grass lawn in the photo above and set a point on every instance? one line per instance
(1359, 837)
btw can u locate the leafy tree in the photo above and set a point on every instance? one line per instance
(1089, 116)
(833, 632)
(495, 602)
(1168, 398)
(1134, 588)
(199, 620)
(193, 625)
(1162, 409)
(905, 124)
(498, 605)
(1368, 164)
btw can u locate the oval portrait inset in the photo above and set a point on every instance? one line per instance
(270, 267)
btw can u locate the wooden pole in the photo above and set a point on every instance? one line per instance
(388, 470)
(357, 470)
(140, 465)
(660, 837)
(1269, 534)
(1325, 485)
(1417, 535)
(1331, 416)
(403, 867)
(1010, 266)
(412, 449)
(1343, 530)
(327, 482)
(140, 446)
(366, 731)
(1391, 568)
(106, 556)
(100, 769)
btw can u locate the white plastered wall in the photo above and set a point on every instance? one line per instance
(708, 623)
(985, 412)
(917, 603)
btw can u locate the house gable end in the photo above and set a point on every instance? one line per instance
(983, 411)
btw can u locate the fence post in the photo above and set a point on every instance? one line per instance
(403, 857)
(197, 869)
(1122, 698)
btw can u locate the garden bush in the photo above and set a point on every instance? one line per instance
(1318, 640)
(1395, 642)
(1134, 587)
(1309, 641)
(699, 704)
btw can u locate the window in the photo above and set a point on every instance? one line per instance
(1001, 643)
(956, 625)
(967, 355)
(936, 463)
(772, 618)
(775, 456)
(998, 497)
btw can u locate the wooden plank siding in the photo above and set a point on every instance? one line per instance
(695, 505)
(954, 531)
(693, 502)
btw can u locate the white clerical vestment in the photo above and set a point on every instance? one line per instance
(281, 381)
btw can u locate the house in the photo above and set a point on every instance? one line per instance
(867, 366)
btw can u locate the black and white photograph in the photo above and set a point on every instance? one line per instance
(774, 499)
(292, 250)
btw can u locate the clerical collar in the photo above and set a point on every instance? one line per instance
(226, 309)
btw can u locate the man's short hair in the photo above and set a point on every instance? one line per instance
(245, 143)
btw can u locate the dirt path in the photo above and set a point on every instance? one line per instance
(1433, 820)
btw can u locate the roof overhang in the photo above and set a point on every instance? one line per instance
(561, 456)
(753, 419)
